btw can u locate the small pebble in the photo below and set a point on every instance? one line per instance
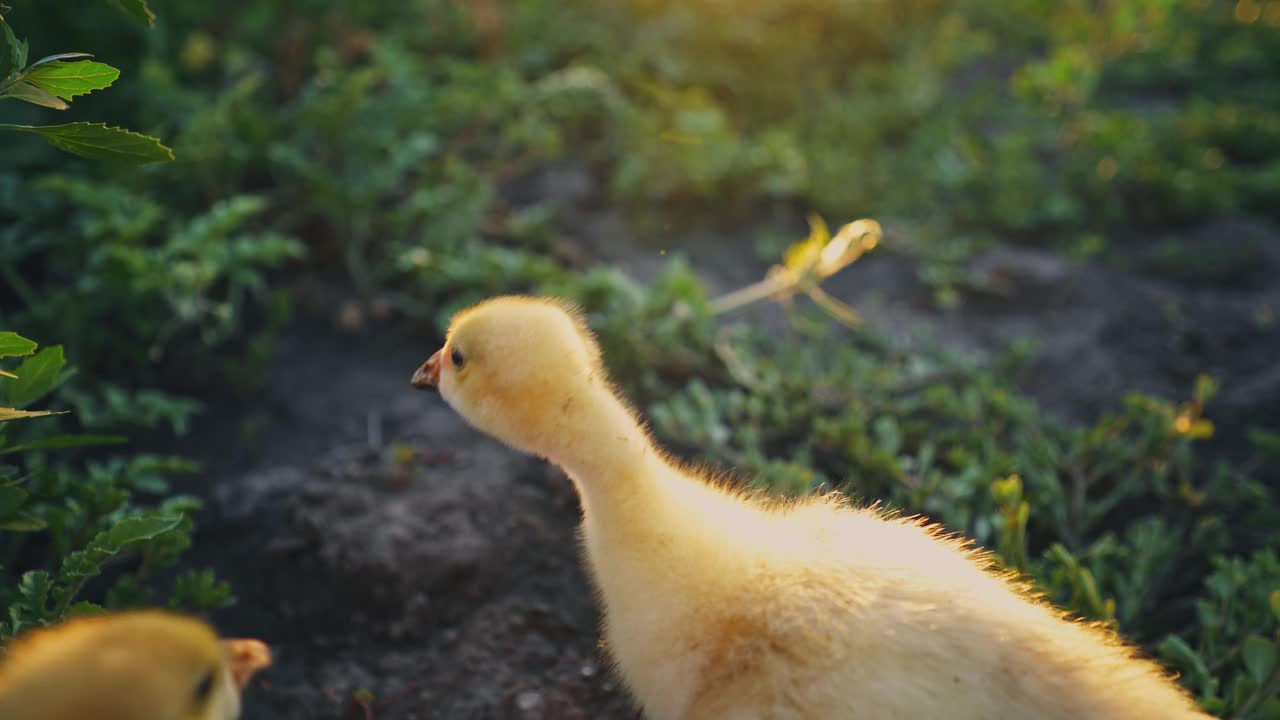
(528, 700)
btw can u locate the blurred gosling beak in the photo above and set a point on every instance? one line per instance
(427, 377)
(245, 658)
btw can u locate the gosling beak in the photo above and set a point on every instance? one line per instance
(245, 658)
(427, 377)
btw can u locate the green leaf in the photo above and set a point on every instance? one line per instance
(84, 609)
(136, 529)
(129, 531)
(1275, 603)
(11, 500)
(61, 442)
(68, 80)
(55, 58)
(12, 414)
(1266, 441)
(1180, 653)
(23, 522)
(1241, 690)
(10, 52)
(96, 141)
(138, 10)
(11, 344)
(36, 96)
(1205, 388)
(1213, 705)
(34, 588)
(36, 377)
(200, 591)
(1259, 657)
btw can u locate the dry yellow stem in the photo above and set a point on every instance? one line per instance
(806, 264)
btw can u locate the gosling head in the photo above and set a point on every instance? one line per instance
(521, 369)
(142, 665)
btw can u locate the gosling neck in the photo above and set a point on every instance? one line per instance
(604, 450)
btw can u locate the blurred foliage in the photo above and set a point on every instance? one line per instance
(63, 524)
(1035, 119)
(371, 131)
(132, 279)
(395, 142)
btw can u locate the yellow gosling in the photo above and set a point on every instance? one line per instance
(724, 605)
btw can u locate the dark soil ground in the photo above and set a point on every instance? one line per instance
(396, 558)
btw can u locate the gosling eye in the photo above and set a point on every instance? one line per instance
(204, 688)
(456, 358)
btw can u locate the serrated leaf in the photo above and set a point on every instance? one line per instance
(69, 80)
(200, 591)
(12, 344)
(138, 528)
(55, 58)
(96, 141)
(27, 92)
(34, 588)
(12, 414)
(37, 376)
(61, 442)
(138, 10)
(84, 608)
(88, 562)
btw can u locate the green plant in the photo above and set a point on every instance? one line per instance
(156, 280)
(1232, 662)
(62, 526)
(159, 279)
(54, 80)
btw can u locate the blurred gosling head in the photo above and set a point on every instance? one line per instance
(143, 665)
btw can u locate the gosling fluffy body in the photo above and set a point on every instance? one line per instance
(142, 665)
(720, 605)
